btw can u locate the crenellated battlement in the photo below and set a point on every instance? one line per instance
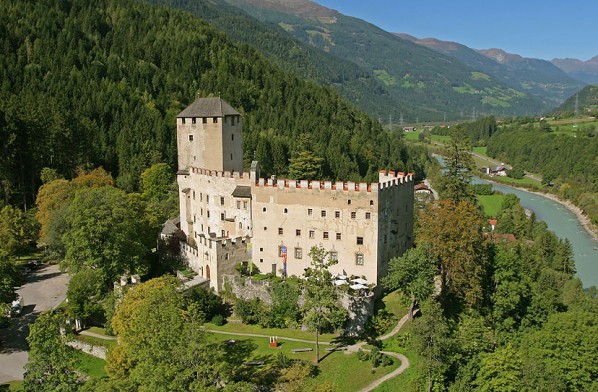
(389, 180)
(218, 173)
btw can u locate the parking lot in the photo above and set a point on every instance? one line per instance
(44, 289)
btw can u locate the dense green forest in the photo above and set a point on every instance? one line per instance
(567, 164)
(84, 86)
(587, 103)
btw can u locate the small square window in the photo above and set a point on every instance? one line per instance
(298, 253)
(333, 255)
(325, 235)
(244, 205)
(298, 232)
(215, 120)
(323, 213)
(310, 211)
(183, 120)
(359, 258)
(221, 200)
(286, 210)
(204, 120)
(312, 234)
(222, 216)
(193, 120)
(280, 231)
(265, 228)
(338, 236)
(371, 202)
(239, 204)
(261, 249)
(349, 202)
(264, 209)
(359, 240)
(368, 215)
(190, 138)
(353, 214)
(337, 214)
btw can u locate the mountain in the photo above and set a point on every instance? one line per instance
(587, 103)
(356, 84)
(585, 71)
(87, 84)
(421, 83)
(538, 77)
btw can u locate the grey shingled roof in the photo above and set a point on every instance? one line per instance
(242, 191)
(208, 107)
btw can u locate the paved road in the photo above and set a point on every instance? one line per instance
(44, 289)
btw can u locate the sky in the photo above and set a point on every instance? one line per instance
(544, 29)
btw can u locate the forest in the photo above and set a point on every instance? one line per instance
(125, 69)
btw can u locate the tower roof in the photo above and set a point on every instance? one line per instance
(208, 107)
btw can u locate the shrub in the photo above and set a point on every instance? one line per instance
(362, 355)
(218, 320)
(251, 311)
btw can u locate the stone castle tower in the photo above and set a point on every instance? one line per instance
(209, 135)
(231, 217)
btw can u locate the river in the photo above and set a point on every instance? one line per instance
(564, 223)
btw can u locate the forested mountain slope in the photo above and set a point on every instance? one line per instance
(534, 76)
(587, 103)
(426, 84)
(87, 84)
(585, 71)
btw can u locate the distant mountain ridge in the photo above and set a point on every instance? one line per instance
(586, 71)
(539, 77)
(419, 83)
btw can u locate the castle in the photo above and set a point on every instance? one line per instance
(229, 216)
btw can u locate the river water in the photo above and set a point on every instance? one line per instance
(564, 223)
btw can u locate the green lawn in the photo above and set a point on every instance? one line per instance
(480, 150)
(344, 370)
(287, 332)
(490, 203)
(90, 365)
(523, 182)
(441, 139)
(99, 331)
(12, 386)
(414, 136)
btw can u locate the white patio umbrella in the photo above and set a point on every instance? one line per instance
(358, 286)
(340, 282)
(359, 281)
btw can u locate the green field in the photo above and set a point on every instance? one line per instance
(256, 329)
(490, 203)
(413, 136)
(344, 370)
(480, 150)
(92, 366)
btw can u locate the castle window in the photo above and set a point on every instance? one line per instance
(201, 197)
(286, 210)
(359, 240)
(325, 235)
(349, 202)
(240, 225)
(193, 120)
(265, 228)
(232, 122)
(244, 205)
(204, 120)
(201, 211)
(223, 234)
(333, 255)
(359, 258)
(215, 120)
(207, 198)
(298, 232)
(232, 136)
(298, 253)
(238, 204)
(338, 236)
(208, 212)
(312, 234)
(193, 195)
(310, 211)
(337, 214)
(194, 220)
(371, 202)
(231, 156)
(280, 231)
(222, 216)
(261, 260)
(323, 213)
(353, 214)
(264, 209)
(368, 215)
(221, 200)
(261, 249)
(183, 120)
(190, 138)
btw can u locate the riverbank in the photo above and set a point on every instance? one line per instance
(581, 217)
